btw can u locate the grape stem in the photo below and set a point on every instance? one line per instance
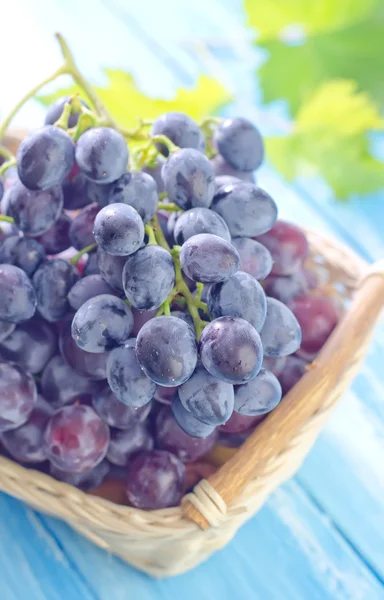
(5, 153)
(7, 219)
(170, 207)
(75, 259)
(151, 235)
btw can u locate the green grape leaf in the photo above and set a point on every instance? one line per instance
(127, 103)
(330, 137)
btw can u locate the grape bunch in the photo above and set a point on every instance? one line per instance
(152, 304)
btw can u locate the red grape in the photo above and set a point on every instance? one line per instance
(124, 444)
(294, 369)
(239, 423)
(285, 288)
(18, 396)
(90, 365)
(317, 316)
(115, 413)
(288, 246)
(61, 385)
(86, 480)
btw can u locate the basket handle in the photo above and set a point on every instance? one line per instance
(344, 350)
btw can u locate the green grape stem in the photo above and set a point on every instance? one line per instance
(7, 219)
(168, 206)
(75, 259)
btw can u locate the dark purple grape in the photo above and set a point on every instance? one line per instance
(86, 480)
(26, 443)
(239, 424)
(148, 277)
(286, 288)
(76, 439)
(294, 369)
(188, 422)
(75, 190)
(208, 258)
(52, 282)
(288, 246)
(35, 212)
(138, 190)
(126, 378)
(200, 220)
(111, 269)
(255, 259)
(62, 385)
(81, 229)
(165, 395)
(31, 345)
(45, 157)
(155, 173)
(281, 333)
(259, 396)
(98, 192)
(18, 298)
(56, 109)
(189, 179)
(231, 350)
(18, 396)
(247, 209)
(222, 168)
(125, 444)
(239, 143)
(155, 479)
(91, 266)
(275, 364)
(102, 154)
(115, 413)
(170, 436)
(166, 350)
(140, 318)
(25, 253)
(222, 181)
(180, 129)
(119, 229)
(206, 398)
(102, 323)
(317, 317)
(90, 365)
(184, 316)
(87, 288)
(6, 330)
(240, 296)
(171, 224)
(56, 239)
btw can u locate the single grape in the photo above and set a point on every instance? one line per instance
(25, 253)
(90, 365)
(91, 266)
(318, 317)
(18, 298)
(247, 209)
(26, 443)
(148, 277)
(115, 413)
(189, 179)
(6, 330)
(76, 439)
(87, 288)
(259, 396)
(240, 296)
(81, 229)
(155, 479)
(231, 350)
(188, 422)
(56, 109)
(221, 181)
(275, 364)
(286, 288)
(222, 168)
(31, 345)
(126, 378)
(208, 258)
(62, 385)
(288, 246)
(45, 157)
(102, 154)
(166, 350)
(56, 239)
(239, 424)
(86, 480)
(255, 259)
(200, 220)
(18, 396)
(180, 129)
(140, 318)
(138, 190)
(170, 436)
(155, 173)
(35, 212)
(52, 282)
(111, 269)
(7, 229)
(281, 333)
(119, 229)
(206, 398)
(102, 323)
(75, 190)
(98, 192)
(239, 143)
(186, 317)
(125, 444)
(294, 369)
(171, 224)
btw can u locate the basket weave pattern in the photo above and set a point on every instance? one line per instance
(170, 541)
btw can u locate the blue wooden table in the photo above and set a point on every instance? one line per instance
(320, 536)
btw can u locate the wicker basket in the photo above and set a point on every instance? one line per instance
(170, 541)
